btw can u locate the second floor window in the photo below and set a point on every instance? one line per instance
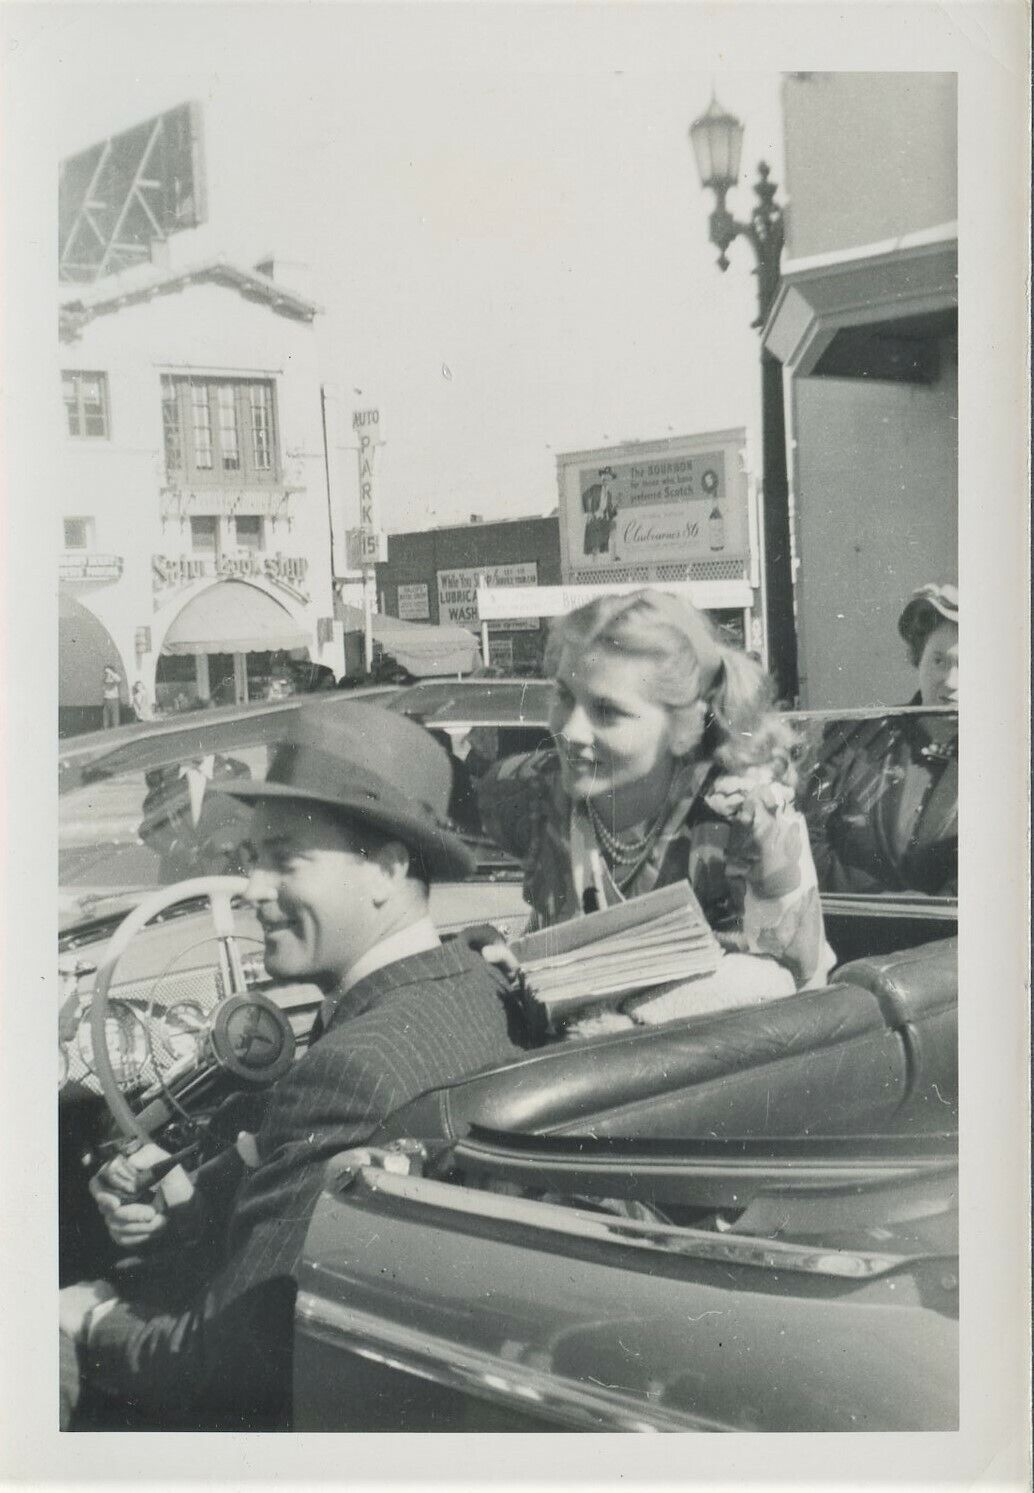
(204, 536)
(219, 431)
(247, 532)
(78, 533)
(86, 403)
(210, 535)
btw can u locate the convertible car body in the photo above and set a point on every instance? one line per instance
(741, 1221)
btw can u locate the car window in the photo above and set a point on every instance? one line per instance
(473, 750)
(121, 835)
(880, 796)
(124, 831)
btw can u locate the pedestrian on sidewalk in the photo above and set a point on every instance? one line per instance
(111, 688)
(140, 702)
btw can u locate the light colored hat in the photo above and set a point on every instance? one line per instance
(941, 597)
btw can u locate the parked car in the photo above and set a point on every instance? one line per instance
(740, 1221)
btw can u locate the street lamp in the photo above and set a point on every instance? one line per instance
(717, 139)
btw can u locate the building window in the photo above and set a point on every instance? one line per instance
(229, 444)
(78, 533)
(201, 428)
(219, 432)
(204, 536)
(261, 402)
(86, 403)
(247, 530)
(171, 426)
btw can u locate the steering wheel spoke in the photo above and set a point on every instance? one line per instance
(247, 1035)
(231, 965)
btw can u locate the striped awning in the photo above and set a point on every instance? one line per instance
(233, 617)
(425, 649)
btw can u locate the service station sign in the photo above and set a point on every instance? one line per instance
(457, 593)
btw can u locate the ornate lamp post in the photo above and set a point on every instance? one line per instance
(717, 138)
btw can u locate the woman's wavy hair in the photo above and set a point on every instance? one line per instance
(692, 666)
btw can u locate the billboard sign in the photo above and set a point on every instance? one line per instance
(653, 504)
(121, 195)
(457, 593)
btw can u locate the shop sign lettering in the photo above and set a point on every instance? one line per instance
(169, 572)
(457, 592)
(414, 603)
(366, 427)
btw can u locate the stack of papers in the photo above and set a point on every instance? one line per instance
(651, 940)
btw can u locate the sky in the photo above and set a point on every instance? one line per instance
(497, 207)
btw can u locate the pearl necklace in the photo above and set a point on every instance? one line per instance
(625, 853)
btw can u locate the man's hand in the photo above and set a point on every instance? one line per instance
(487, 941)
(75, 1301)
(130, 1218)
(502, 956)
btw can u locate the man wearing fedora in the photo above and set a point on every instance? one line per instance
(349, 827)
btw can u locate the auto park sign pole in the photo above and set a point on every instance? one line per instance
(485, 655)
(372, 546)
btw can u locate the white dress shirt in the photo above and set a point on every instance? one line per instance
(416, 939)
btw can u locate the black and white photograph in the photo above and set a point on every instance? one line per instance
(484, 594)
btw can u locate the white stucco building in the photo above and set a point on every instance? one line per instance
(197, 543)
(865, 326)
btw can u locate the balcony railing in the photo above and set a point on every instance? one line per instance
(263, 502)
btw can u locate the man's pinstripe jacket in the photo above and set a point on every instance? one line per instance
(407, 1027)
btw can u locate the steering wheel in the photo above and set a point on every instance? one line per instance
(247, 1035)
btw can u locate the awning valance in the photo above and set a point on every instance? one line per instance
(233, 617)
(425, 649)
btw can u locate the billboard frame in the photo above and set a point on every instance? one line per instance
(741, 562)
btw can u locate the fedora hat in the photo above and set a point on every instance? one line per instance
(375, 768)
(942, 598)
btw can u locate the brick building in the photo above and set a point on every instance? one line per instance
(432, 575)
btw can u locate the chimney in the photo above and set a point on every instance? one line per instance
(292, 274)
(476, 518)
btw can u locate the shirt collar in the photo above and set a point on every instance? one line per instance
(417, 938)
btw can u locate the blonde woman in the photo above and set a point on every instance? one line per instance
(668, 763)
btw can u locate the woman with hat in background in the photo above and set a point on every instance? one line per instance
(882, 800)
(668, 763)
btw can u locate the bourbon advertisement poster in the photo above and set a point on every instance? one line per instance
(678, 502)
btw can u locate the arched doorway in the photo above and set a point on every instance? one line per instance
(84, 647)
(225, 647)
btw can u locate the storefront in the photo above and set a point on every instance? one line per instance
(231, 643)
(425, 650)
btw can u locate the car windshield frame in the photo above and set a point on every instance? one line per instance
(452, 708)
